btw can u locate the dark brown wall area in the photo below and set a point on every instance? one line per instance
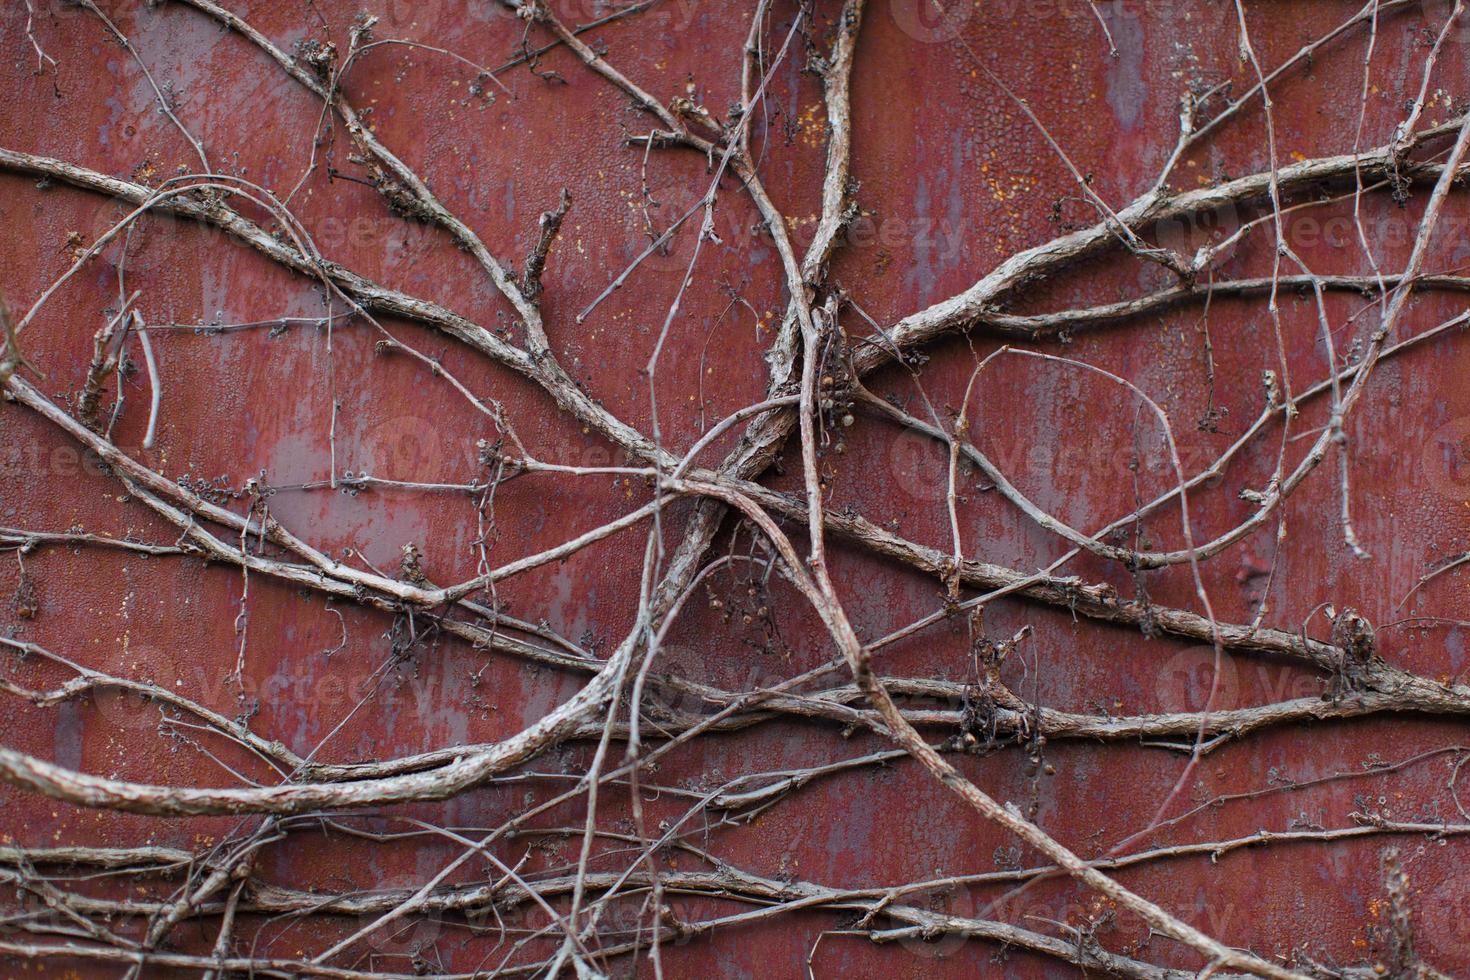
(904, 488)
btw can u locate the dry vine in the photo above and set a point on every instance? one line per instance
(571, 843)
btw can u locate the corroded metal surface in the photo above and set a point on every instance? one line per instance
(953, 178)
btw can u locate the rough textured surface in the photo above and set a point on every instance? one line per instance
(952, 178)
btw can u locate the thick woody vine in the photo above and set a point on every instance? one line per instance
(629, 712)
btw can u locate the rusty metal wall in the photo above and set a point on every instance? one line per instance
(953, 178)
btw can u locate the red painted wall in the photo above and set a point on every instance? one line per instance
(952, 179)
